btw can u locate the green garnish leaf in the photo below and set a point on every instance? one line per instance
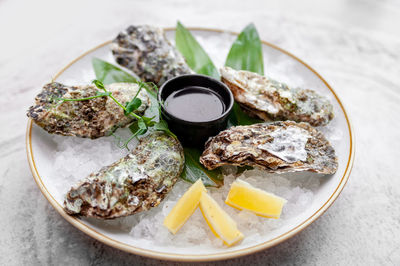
(132, 105)
(142, 125)
(195, 56)
(138, 127)
(194, 170)
(108, 73)
(98, 84)
(246, 52)
(163, 126)
(151, 89)
(134, 127)
(149, 121)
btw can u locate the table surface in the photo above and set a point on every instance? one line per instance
(354, 44)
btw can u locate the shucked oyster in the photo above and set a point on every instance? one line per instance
(136, 183)
(146, 51)
(272, 100)
(89, 119)
(276, 147)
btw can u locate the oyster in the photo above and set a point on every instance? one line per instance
(146, 51)
(277, 147)
(135, 183)
(271, 100)
(89, 119)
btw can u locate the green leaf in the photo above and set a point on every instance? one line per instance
(132, 105)
(98, 84)
(134, 127)
(149, 121)
(194, 170)
(138, 128)
(195, 56)
(163, 126)
(142, 124)
(246, 52)
(151, 89)
(108, 73)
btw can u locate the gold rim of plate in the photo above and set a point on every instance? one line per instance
(192, 257)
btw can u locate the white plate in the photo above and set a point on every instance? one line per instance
(280, 65)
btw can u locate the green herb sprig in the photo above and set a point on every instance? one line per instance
(108, 73)
(98, 95)
(196, 57)
(142, 123)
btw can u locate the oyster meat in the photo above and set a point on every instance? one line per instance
(146, 51)
(135, 183)
(277, 147)
(269, 100)
(90, 118)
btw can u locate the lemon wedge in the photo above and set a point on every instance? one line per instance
(185, 207)
(220, 223)
(242, 195)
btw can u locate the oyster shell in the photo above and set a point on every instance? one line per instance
(277, 147)
(146, 51)
(271, 100)
(135, 183)
(89, 119)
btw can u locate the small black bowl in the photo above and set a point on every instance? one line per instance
(192, 133)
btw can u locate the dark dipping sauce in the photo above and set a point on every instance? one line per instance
(195, 107)
(195, 103)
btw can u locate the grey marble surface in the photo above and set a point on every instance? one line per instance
(354, 44)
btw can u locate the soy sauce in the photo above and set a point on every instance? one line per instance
(194, 103)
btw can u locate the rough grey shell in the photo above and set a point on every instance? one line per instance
(146, 51)
(133, 184)
(277, 147)
(89, 119)
(271, 100)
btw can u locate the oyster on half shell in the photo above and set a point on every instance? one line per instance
(92, 118)
(277, 147)
(146, 51)
(269, 100)
(135, 183)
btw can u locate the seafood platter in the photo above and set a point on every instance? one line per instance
(189, 144)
